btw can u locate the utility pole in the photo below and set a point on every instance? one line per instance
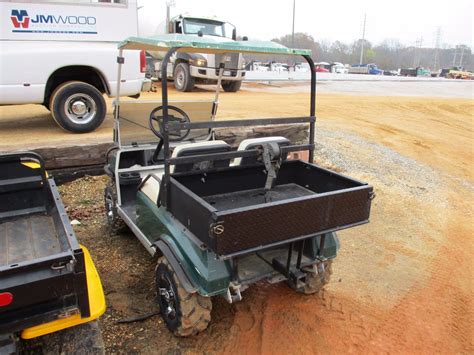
(436, 64)
(417, 56)
(169, 4)
(293, 30)
(455, 54)
(462, 54)
(363, 40)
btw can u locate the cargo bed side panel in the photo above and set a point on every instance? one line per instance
(249, 228)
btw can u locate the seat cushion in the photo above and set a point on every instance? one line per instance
(252, 143)
(209, 147)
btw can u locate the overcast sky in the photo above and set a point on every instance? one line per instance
(406, 20)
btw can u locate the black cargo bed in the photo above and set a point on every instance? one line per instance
(28, 238)
(41, 263)
(226, 209)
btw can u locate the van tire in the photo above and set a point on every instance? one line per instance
(183, 81)
(231, 86)
(77, 107)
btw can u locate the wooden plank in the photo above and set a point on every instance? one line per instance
(76, 159)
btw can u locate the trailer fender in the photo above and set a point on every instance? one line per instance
(185, 280)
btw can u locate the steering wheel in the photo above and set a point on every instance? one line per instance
(155, 122)
(175, 115)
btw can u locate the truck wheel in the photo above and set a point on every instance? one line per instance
(81, 339)
(315, 282)
(231, 86)
(183, 81)
(77, 107)
(184, 313)
(115, 223)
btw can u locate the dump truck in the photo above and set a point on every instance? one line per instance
(365, 69)
(48, 281)
(220, 219)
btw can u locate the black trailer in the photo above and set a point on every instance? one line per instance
(47, 280)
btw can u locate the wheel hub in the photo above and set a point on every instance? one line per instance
(180, 78)
(168, 299)
(78, 107)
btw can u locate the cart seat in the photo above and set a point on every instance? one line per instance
(151, 186)
(208, 147)
(252, 143)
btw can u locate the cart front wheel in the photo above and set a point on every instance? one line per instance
(114, 221)
(316, 282)
(184, 313)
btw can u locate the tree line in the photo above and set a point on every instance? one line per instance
(390, 54)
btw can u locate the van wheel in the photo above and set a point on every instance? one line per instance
(316, 282)
(185, 314)
(231, 86)
(183, 81)
(77, 107)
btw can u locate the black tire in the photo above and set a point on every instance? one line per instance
(82, 339)
(231, 86)
(183, 81)
(77, 107)
(314, 283)
(185, 314)
(115, 223)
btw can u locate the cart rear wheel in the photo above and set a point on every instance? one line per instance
(316, 282)
(115, 223)
(184, 313)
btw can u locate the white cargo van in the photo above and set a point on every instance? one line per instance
(61, 54)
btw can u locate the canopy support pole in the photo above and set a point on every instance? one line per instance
(166, 143)
(120, 61)
(312, 110)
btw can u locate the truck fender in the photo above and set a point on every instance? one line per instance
(187, 56)
(177, 267)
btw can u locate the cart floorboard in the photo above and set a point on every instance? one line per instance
(28, 238)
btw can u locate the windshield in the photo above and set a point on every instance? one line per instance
(207, 27)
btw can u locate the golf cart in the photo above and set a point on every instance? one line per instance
(221, 219)
(48, 282)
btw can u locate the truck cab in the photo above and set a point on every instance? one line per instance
(187, 69)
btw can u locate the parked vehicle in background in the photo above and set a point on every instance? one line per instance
(365, 69)
(302, 68)
(187, 69)
(390, 73)
(68, 48)
(420, 71)
(279, 67)
(339, 68)
(321, 69)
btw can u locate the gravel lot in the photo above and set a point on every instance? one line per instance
(401, 284)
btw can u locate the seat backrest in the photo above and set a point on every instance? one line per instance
(252, 143)
(209, 147)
